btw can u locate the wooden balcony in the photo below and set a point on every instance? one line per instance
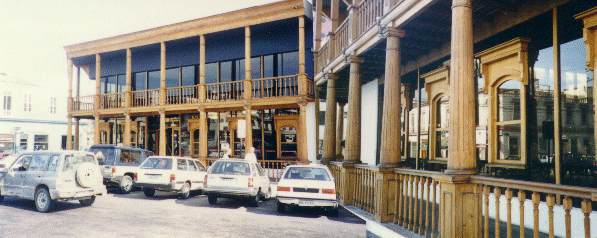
(412, 198)
(234, 91)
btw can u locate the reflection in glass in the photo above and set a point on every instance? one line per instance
(508, 101)
(188, 76)
(211, 73)
(239, 70)
(172, 78)
(268, 66)
(509, 142)
(441, 131)
(256, 67)
(153, 79)
(139, 81)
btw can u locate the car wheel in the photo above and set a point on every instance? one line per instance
(43, 201)
(149, 192)
(87, 202)
(126, 184)
(185, 191)
(332, 212)
(281, 207)
(212, 199)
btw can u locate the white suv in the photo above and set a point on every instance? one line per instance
(119, 164)
(235, 178)
(46, 177)
(170, 174)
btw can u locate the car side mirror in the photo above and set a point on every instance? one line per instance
(22, 168)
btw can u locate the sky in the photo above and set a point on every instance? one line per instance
(34, 33)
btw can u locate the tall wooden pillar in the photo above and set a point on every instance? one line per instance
(460, 209)
(162, 145)
(98, 74)
(390, 120)
(248, 84)
(406, 93)
(340, 128)
(335, 14)
(202, 92)
(301, 141)
(202, 95)
(203, 134)
(127, 129)
(302, 78)
(77, 120)
(318, 18)
(353, 132)
(329, 139)
(162, 73)
(127, 98)
(69, 119)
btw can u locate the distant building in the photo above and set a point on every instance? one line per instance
(33, 118)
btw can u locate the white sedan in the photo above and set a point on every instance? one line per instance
(170, 174)
(307, 186)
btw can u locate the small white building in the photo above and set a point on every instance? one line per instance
(33, 117)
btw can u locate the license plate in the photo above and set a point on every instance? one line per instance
(305, 203)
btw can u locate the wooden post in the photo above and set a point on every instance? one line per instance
(329, 139)
(556, 98)
(127, 129)
(162, 74)
(98, 74)
(460, 209)
(127, 98)
(335, 14)
(302, 152)
(69, 118)
(407, 106)
(202, 134)
(202, 92)
(248, 95)
(248, 127)
(162, 145)
(318, 18)
(77, 120)
(302, 79)
(353, 132)
(390, 120)
(340, 129)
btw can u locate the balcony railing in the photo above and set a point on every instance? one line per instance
(83, 104)
(146, 98)
(111, 100)
(342, 37)
(182, 95)
(276, 87)
(225, 91)
(366, 15)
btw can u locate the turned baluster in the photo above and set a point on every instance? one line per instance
(429, 181)
(536, 199)
(567, 204)
(497, 194)
(486, 192)
(509, 213)
(433, 199)
(398, 207)
(551, 201)
(521, 200)
(586, 210)
(421, 200)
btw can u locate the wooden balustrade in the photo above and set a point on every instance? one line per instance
(364, 187)
(323, 57)
(111, 100)
(336, 170)
(273, 168)
(146, 98)
(225, 91)
(182, 95)
(83, 104)
(530, 196)
(342, 38)
(366, 15)
(276, 87)
(310, 87)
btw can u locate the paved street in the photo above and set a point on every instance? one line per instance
(133, 215)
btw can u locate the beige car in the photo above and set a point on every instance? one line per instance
(46, 177)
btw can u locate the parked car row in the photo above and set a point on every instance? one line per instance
(46, 177)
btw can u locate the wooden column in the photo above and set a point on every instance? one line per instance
(69, 118)
(462, 91)
(127, 129)
(302, 78)
(203, 134)
(162, 145)
(390, 120)
(329, 139)
(335, 14)
(162, 73)
(318, 18)
(460, 210)
(248, 84)
(77, 120)
(98, 74)
(353, 132)
(202, 95)
(340, 129)
(301, 142)
(202, 92)
(127, 98)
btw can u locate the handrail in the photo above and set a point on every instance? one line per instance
(83, 103)
(146, 98)
(225, 91)
(565, 190)
(342, 37)
(182, 94)
(276, 86)
(111, 100)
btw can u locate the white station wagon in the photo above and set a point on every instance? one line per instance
(236, 178)
(307, 186)
(170, 174)
(46, 177)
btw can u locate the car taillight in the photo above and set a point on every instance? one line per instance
(113, 170)
(250, 182)
(172, 177)
(283, 189)
(328, 191)
(205, 181)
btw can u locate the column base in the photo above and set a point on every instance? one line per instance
(460, 208)
(347, 180)
(385, 186)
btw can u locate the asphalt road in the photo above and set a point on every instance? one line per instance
(134, 215)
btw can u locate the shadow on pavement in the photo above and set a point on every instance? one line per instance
(28, 205)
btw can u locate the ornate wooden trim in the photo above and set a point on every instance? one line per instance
(437, 83)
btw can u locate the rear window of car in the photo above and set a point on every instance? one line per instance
(157, 163)
(306, 173)
(105, 155)
(72, 162)
(230, 168)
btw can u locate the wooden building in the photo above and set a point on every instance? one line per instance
(458, 109)
(203, 87)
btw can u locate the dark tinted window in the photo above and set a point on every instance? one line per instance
(211, 73)
(225, 71)
(153, 79)
(139, 81)
(172, 78)
(188, 75)
(231, 168)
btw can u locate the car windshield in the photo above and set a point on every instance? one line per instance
(157, 163)
(307, 173)
(72, 162)
(105, 155)
(230, 168)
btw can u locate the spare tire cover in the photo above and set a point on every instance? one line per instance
(87, 175)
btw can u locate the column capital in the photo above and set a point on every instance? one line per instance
(388, 31)
(330, 76)
(461, 3)
(162, 111)
(353, 58)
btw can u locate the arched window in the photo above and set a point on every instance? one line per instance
(508, 123)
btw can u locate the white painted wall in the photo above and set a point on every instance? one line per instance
(369, 96)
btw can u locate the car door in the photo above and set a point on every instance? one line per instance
(263, 178)
(33, 175)
(194, 175)
(13, 181)
(199, 175)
